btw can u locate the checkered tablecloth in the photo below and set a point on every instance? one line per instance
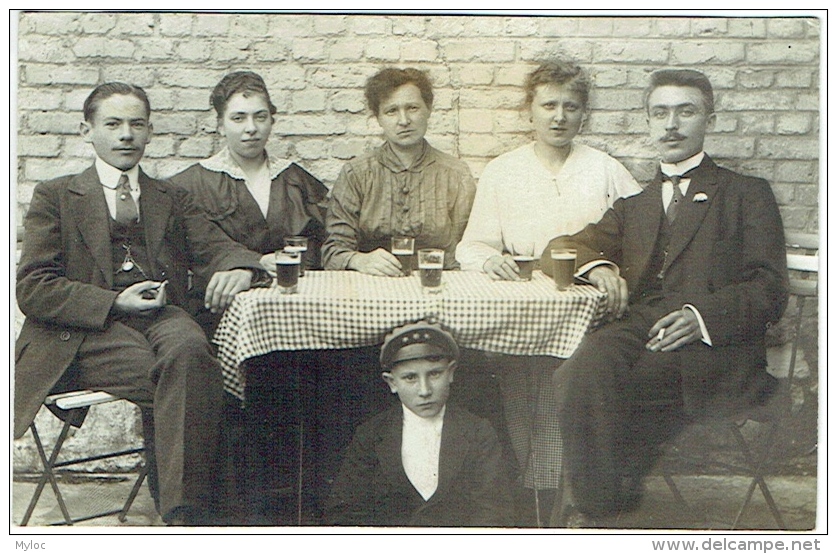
(346, 309)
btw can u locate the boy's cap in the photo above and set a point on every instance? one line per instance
(415, 341)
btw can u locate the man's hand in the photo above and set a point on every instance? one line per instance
(268, 262)
(673, 331)
(142, 298)
(223, 286)
(378, 262)
(616, 288)
(501, 268)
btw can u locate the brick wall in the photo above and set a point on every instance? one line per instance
(765, 71)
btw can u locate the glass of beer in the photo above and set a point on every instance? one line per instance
(563, 267)
(431, 261)
(404, 248)
(525, 260)
(287, 271)
(298, 244)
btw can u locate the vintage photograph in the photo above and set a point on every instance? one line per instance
(442, 271)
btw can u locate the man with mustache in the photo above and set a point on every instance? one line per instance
(694, 271)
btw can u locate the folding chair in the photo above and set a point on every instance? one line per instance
(802, 259)
(77, 404)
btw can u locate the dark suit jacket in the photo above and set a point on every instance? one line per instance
(372, 488)
(726, 257)
(65, 274)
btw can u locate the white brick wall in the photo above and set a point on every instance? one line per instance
(765, 70)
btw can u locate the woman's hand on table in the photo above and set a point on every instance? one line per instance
(378, 262)
(501, 268)
(268, 262)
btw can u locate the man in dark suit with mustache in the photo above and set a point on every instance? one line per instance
(102, 273)
(694, 271)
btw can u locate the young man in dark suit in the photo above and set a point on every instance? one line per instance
(694, 271)
(103, 270)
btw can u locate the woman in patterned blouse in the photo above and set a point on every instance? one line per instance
(403, 187)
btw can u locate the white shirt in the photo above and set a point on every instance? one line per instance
(259, 188)
(678, 168)
(421, 440)
(521, 205)
(109, 178)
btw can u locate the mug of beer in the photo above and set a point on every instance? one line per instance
(563, 267)
(404, 248)
(287, 271)
(431, 261)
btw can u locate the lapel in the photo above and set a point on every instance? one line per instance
(452, 451)
(155, 209)
(691, 215)
(87, 204)
(388, 450)
(648, 213)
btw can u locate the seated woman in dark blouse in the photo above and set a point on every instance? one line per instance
(257, 199)
(404, 187)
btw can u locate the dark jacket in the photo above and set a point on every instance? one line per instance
(372, 488)
(65, 275)
(726, 257)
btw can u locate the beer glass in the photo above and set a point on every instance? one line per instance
(563, 267)
(298, 244)
(287, 271)
(404, 248)
(524, 257)
(431, 261)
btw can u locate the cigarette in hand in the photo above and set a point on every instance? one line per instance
(661, 334)
(151, 294)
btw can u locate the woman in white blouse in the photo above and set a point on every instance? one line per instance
(550, 187)
(546, 188)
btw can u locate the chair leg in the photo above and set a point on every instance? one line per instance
(561, 504)
(123, 515)
(756, 467)
(675, 491)
(48, 474)
(299, 479)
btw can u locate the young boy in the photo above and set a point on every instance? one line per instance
(423, 463)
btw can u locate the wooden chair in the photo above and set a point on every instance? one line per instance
(803, 260)
(77, 404)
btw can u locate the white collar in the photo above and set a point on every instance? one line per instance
(416, 421)
(109, 175)
(682, 166)
(223, 162)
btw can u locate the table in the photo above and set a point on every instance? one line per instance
(347, 309)
(350, 310)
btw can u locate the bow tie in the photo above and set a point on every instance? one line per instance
(675, 179)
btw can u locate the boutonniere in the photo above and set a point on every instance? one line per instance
(700, 197)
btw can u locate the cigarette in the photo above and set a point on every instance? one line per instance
(661, 334)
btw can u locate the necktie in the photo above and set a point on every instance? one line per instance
(677, 197)
(126, 208)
